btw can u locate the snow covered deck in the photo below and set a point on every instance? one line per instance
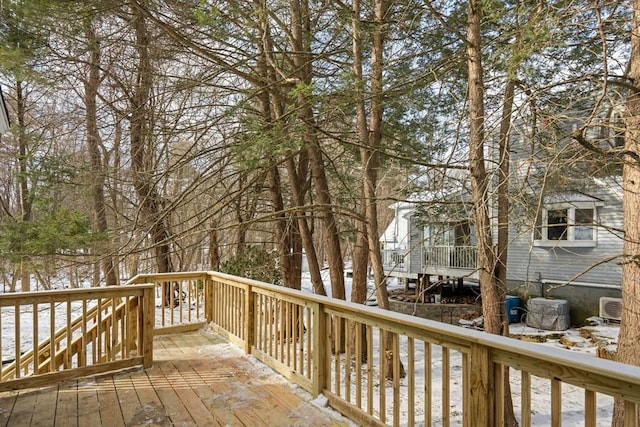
(196, 379)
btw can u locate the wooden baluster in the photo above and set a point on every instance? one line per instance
(369, 334)
(396, 379)
(556, 403)
(411, 381)
(589, 408)
(525, 391)
(383, 382)
(446, 387)
(16, 340)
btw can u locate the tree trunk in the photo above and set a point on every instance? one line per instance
(491, 288)
(295, 256)
(369, 139)
(93, 145)
(141, 150)
(243, 214)
(214, 253)
(295, 180)
(360, 263)
(23, 179)
(494, 319)
(283, 238)
(370, 156)
(360, 266)
(23, 161)
(503, 230)
(303, 60)
(291, 233)
(503, 185)
(629, 335)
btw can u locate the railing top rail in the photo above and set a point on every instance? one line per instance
(610, 375)
(168, 277)
(57, 295)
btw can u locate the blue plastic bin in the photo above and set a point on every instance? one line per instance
(513, 308)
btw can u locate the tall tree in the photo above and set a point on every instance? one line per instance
(91, 86)
(141, 120)
(492, 294)
(20, 50)
(493, 289)
(303, 63)
(629, 335)
(370, 139)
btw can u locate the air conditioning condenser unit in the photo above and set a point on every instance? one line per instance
(611, 308)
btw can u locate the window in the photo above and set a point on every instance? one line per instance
(557, 223)
(567, 225)
(583, 229)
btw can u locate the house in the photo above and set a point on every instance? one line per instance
(415, 246)
(565, 238)
(4, 115)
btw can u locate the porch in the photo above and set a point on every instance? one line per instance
(443, 260)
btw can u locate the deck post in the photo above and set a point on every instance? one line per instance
(249, 319)
(131, 341)
(208, 299)
(149, 316)
(481, 388)
(320, 351)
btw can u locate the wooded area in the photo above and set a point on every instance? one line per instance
(169, 135)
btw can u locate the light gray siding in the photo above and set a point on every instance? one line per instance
(528, 263)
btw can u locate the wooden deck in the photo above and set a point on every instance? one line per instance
(197, 380)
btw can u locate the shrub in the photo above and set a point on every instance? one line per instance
(254, 263)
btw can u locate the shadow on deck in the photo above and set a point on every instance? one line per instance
(197, 379)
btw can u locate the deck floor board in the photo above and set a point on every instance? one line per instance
(47, 399)
(197, 379)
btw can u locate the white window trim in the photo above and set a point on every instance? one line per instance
(570, 242)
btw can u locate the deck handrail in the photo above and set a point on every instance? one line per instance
(314, 340)
(114, 330)
(395, 259)
(450, 256)
(181, 299)
(297, 333)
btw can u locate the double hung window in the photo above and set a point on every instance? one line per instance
(566, 224)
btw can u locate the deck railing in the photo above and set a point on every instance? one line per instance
(50, 336)
(354, 354)
(464, 257)
(394, 260)
(456, 257)
(336, 348)
(181, 300)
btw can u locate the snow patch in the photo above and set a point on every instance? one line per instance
(321, 401)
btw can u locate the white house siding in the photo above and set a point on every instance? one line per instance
(4, 115)
(396, 234)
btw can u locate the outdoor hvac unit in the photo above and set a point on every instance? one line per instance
(610, 308)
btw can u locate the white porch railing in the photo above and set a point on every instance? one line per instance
(451, 256)
(394, 260)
